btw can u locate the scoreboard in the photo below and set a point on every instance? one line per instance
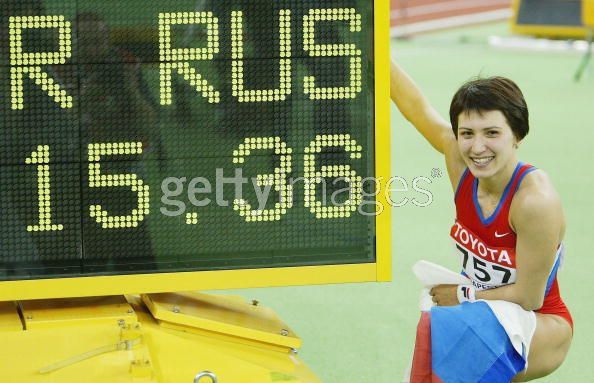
(172, 145)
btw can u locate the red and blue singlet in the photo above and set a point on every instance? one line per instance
(487, 246)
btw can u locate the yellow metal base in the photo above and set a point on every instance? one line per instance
(164, 338)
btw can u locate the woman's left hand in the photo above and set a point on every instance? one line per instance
(444, 295)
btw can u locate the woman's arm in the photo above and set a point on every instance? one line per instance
(436, 130)
(537, 218)
(416, 108)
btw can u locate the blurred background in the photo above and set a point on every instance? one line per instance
(364, 333)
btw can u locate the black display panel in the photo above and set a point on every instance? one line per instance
(181, 135)
(550, 12)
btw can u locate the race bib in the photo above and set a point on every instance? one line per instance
(486, 266)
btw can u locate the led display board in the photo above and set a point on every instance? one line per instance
(171, 145)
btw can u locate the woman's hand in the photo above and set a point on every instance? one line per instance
(444, 295)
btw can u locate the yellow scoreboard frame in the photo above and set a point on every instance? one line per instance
(380, 270)
(588, 13)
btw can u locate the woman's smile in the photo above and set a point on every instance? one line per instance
(482, 162)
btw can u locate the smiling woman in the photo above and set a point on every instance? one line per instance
(509, 225)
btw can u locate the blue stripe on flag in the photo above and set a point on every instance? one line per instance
(469, 345)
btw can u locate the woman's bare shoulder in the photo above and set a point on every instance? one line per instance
(537, 202)
(537, 185)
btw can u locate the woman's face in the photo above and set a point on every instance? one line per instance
(486, 143)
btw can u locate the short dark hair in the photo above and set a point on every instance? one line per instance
(489, 94)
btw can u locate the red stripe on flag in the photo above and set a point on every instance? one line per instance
(421, 365)
(421, 371)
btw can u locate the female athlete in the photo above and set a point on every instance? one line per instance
(509, 220)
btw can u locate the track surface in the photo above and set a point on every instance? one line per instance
(412, 16)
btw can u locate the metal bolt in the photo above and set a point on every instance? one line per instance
(130, 311)
(121, 323)
(175, 309)
(203, 374)
(284, 332)
(294, 351)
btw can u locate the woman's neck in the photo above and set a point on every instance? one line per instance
(495, 185)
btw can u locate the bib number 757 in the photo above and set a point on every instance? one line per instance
(488, 273)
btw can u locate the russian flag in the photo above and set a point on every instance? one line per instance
(463, 344)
